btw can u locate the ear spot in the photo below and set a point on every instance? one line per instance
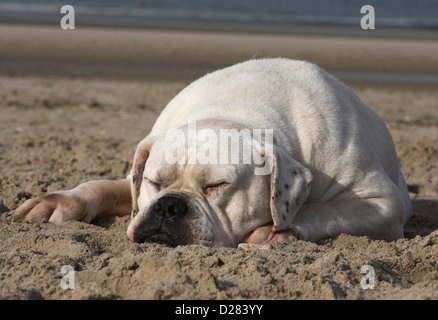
(290, 186)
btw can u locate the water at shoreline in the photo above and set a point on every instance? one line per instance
(398, 14)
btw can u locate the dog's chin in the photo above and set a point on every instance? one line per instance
(161, 238)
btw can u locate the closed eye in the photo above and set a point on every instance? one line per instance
(155, 185)
(215, 187)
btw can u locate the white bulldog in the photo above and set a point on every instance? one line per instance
(330, 166)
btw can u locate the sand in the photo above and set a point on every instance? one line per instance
(58, 131)
(179, 55)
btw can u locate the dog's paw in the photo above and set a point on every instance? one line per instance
(265, 233)
(286, 236)
(54, 207)
(254, 246)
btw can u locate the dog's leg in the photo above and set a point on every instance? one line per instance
(378, 218)
(85, 202)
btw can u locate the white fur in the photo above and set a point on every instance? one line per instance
(357, 185)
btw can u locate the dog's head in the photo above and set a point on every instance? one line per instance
(198, 189)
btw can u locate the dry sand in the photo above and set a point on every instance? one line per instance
(57, 132)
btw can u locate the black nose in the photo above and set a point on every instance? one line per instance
(170, 207)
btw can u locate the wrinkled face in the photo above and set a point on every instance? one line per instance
(205, 191)
(210, 204)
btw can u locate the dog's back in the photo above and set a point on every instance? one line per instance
(333, 121)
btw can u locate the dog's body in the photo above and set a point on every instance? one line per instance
(334, 166)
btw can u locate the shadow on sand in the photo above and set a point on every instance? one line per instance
(424, 219)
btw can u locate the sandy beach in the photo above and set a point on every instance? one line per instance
(74, 105)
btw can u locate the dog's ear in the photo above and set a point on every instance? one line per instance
(290, 186)
(140, 158)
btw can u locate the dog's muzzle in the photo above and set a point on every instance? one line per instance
(166, 221)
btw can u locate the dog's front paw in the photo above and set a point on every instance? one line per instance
(286, 236)
(54, 207)
(265, 233)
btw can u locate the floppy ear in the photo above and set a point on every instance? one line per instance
(140, 158)
(290, 186)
